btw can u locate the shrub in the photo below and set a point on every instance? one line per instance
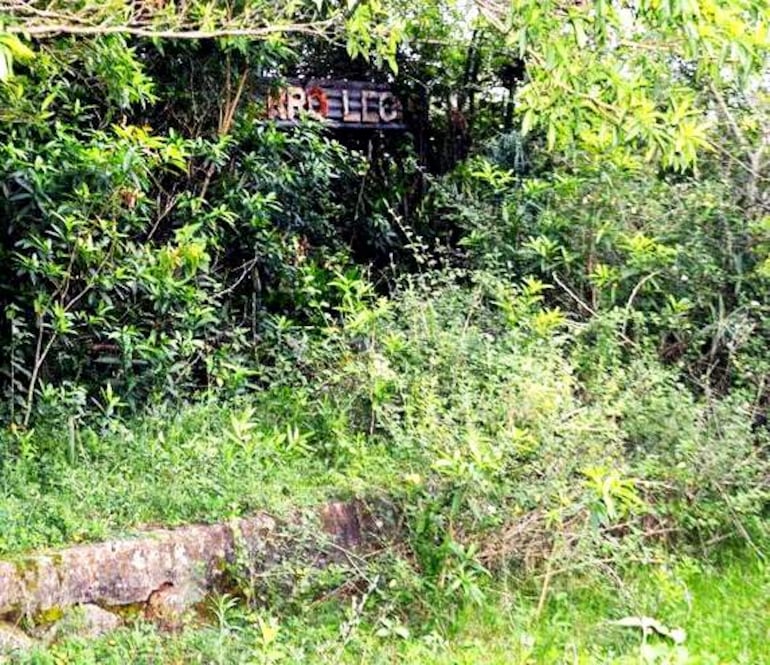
(678, 259)
(146, 261)
(512, 450)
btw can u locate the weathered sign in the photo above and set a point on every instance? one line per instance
(337, 103)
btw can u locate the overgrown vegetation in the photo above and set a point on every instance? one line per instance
(721, 611)
(537, 322)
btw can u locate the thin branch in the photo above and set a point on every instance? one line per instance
(587, 307)
(573, 295)
(246, 268)
(738, 133)
(59, 17)
(635, 293)
(47, 30)
(226, 117)
(738, 162)
(232, 105)
(497, 12)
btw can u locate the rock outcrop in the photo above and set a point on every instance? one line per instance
(167, 571)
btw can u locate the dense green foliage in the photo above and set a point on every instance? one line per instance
(153, 223)
(537, 322)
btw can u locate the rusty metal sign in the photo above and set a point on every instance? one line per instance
(351, 104)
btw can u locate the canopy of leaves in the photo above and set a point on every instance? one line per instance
(153, 223)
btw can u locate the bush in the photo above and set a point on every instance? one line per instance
(146, 262)
(680, 259)
(464, 401)
(513, 452)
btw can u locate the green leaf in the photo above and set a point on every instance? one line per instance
(551, 135)
(16, 47)
(528, 122)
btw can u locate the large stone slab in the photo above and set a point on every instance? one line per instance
(129, 571)
(12, 639)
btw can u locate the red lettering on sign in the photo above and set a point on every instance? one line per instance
(317, 103)
(356, 105)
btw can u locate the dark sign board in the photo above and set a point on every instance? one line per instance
(351, 104)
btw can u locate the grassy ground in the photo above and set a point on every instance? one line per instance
(474, 417)
(204, 463)
(211, 462)
(725, 611)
